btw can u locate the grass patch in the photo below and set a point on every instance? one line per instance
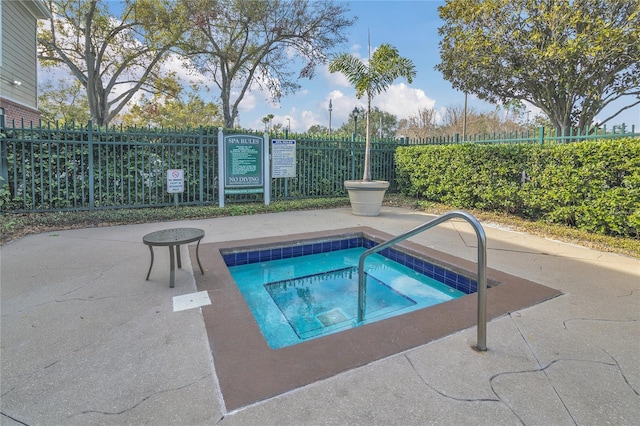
(15, 226)
(18, 225)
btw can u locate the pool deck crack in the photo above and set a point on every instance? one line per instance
(472, 245)
(37, 370)
(66, 355)
(631, 293)
(141, 401)
(540, 368)
(565, 322)
(498, 399)
(74, 299)
(615, 361)
(13, 418)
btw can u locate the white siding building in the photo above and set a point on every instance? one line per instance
(18, 62)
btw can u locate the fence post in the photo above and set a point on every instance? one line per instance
(353, 158)
(4, 163)
(201, 166)
(221, 167)
(90, 152)
(541, 135)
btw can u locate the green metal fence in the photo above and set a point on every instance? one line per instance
(323, 166)
(541, 135)
(85, 168)
(56, 168)
(64, 168)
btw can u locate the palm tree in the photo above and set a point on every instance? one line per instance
(373, 78)
(267, 121)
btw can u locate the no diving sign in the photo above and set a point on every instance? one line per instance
(175, 181)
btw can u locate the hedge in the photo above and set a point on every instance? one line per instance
(594, 186)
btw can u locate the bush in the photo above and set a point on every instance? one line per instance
(593, 186)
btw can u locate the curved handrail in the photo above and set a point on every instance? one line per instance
(481, 343)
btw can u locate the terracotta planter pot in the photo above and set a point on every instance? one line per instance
(366, 197)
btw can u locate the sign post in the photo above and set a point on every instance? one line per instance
(175, 183)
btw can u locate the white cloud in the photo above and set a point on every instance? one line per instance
(285, 120)
(308, 119)
(300, 121)
(342, 106)
(291, 52)
(440, 112)
(174, 63)
(248, 102)
(403, 101)
(334, 79)
(399, 100)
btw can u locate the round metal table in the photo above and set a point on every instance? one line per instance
(171, 238)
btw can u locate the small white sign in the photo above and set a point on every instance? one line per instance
(283, 155)
(175, 181)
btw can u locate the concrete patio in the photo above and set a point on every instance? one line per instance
(84, 339)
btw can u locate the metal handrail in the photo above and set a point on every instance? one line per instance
(481, 343)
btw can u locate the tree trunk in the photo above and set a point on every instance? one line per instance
(367, 148)
(226, 110)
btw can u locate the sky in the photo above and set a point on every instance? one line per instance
(410, 26)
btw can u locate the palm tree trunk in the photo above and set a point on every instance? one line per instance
(367, 147)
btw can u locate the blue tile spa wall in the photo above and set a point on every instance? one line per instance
(450, 278)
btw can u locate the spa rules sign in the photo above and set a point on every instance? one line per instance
(243, 165)
(243, 160)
